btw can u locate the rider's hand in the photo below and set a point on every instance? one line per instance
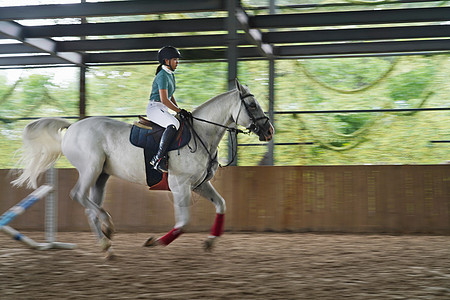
(185, 114)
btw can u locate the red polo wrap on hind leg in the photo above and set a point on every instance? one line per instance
(217, 228)
(171, 236)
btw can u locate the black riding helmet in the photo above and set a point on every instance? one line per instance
(167, 52)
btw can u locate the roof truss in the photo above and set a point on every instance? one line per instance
(386, 31)
(106, 9)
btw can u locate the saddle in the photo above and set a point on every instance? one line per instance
(146, 135)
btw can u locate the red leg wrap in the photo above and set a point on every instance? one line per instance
(217, 228)
(170, 237)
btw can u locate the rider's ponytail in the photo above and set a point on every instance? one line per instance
(158, 69)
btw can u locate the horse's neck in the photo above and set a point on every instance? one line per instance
(218, 110)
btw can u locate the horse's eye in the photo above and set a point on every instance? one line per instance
(252, 105)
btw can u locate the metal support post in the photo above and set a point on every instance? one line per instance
(271, 144)
(232, 57)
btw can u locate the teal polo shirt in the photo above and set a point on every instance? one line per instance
(163, 81)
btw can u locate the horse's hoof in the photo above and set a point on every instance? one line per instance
(110, 256)
(152, 242)
(105, 244)
(208, 244)
(107, 248)
(107, 224)
(108, 231)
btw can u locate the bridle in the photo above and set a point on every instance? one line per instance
(253, 126)
(213, 157)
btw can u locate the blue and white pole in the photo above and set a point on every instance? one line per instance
(19, 209)
(23, 205)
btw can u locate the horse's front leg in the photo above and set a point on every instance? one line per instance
(181, 203)
(207, 191)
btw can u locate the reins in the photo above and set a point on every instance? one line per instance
(212, 159)
(229, 129)
(196, 136)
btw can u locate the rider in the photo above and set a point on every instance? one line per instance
(161, 99)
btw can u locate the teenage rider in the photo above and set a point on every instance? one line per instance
(161, 99)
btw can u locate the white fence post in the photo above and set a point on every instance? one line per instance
(51, 206)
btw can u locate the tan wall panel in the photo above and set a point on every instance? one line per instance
(390, 199)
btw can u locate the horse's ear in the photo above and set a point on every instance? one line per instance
(239, 86)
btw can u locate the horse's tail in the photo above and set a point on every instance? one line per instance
(41, 149)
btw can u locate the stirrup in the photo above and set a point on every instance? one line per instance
(160, 165)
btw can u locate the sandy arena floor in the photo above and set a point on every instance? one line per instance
(242, 266)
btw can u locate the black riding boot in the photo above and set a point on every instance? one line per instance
(159, 161)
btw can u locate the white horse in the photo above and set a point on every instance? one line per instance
(99, 147)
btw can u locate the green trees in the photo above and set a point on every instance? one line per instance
(366, 83)
(301, 85)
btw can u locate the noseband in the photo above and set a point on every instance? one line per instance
(254, 126)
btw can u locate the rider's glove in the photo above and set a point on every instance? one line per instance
(185, 114)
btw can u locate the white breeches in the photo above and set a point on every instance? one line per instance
(159, 113)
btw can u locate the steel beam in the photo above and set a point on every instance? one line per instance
(305, 36)
(15, 31)
(385, 16)
(361, 49)
(17, 49)
(32, 60)
(268, 21)
(150, 56)
(365, 48)
(253, 35)
(359, 34)
(82, 93)
(272, 75)
(194, 41)
(232, 58)
(122, 28)
(110, 8)
(394, 48)
(113, 57)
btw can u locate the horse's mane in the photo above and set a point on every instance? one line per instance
(207, 104)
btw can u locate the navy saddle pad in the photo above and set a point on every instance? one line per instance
(148, 138)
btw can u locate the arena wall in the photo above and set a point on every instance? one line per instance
(371, 199)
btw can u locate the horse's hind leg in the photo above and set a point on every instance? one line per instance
(97, 195)
(207, 191)
(93, 179)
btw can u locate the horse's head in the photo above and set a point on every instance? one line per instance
(251, 116)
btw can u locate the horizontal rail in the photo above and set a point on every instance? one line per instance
(359, 110)
(276, 144)
(277, 112)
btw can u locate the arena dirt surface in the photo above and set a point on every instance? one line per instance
(242, 266)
